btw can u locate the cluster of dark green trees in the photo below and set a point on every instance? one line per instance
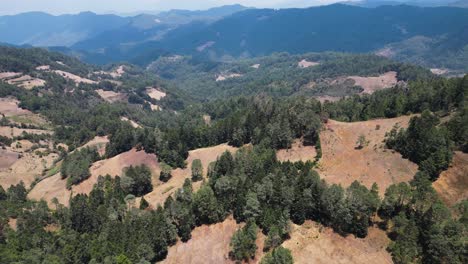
(137, 180)
(423, 143)
(98, 228)
(238, 121)
(75, 166)
(421, 227)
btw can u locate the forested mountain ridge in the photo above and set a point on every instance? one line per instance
(420, 35)
(42, 29)
(321, 75)
(248, 33)
(116, 222)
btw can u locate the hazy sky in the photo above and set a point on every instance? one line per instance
(128, 6)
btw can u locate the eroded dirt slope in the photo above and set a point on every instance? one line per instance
(313, 243)
(342, 163)
(452, 185)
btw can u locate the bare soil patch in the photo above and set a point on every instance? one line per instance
(12, 222)
(132, 123)
(43, 68)
(210, 244)
(49, 188)
(11, 132)
(223, 77)
(372, 84)
(115, 167)
(99, 143)
(207, 155)
(452, 185)
(155, 93)
(313, 243)
(207, 119)
(9, 107)
(111, 96)
(306, 64)
(27, 82)
(7, 75)
(21, 145)
(77, 79)
(54, 186)
(342, 163)
(118, 72)
(155, 107)
(297, 152)
(26, 168)
(439, 71)
(7, 158)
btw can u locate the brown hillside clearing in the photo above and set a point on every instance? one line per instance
(155, 107)
(77, 79)
(210, 244)
(132, 123)
(306, 64)
(207, 155)
(27, 82)
(313, 243)
(7, 75)
(7, 158)
(452, 185)
(297, 152)
(223, 77)
(99, 143)
(43, 68)
(155, 93)
(54, 186)
(372, 84)
(439, 71)
(115, 166)
(26, 168)
(11, 132)
(49, 188)
(9, 107)
(111, 96)
(342, 163)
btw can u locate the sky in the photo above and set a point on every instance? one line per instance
(10, 7)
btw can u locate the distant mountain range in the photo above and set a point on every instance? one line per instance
(430, 36)
(420, 3)
(41, 29)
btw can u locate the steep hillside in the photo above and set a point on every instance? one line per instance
(331, 75)
(452, 185)
(342, 162)
(249, 33)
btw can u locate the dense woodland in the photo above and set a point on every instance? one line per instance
(277, 74)
(107, 226)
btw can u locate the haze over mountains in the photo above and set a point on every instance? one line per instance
(408, 33)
